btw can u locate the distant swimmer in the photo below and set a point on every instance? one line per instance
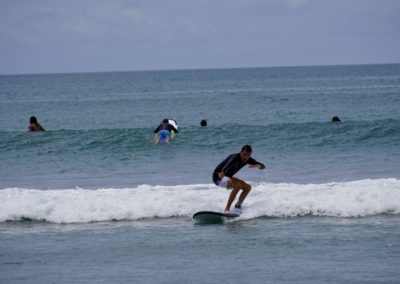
(203, 123)
(164, 131)
(34, 125)
(223, 175)
(336, 119)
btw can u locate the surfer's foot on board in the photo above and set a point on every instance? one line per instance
(237, 206)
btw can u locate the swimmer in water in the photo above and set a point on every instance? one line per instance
(163, 132)
(34, 125)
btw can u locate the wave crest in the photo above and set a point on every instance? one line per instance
(338, 199)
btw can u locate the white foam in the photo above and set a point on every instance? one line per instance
(340, 199)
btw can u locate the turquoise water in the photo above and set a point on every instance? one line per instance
(100, 125)
(94, 181)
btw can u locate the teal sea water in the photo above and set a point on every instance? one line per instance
(92, 199)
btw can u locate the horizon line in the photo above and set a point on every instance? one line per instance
(194, 69)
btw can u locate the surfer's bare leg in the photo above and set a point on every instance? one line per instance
(232, 197)
(236, 185)
(156, 138)
(246, 190)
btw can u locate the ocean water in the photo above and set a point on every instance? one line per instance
(93, 200)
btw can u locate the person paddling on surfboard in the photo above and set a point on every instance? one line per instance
(163, 132)
(223, 175)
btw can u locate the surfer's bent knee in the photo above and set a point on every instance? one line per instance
(247, 187)
(237, 183)
(244, 185)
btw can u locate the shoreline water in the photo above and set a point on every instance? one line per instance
(301, 250)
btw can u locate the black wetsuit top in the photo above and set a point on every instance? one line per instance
(231, 165)
(165, 126)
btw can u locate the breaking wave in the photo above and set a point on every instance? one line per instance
(338, 199)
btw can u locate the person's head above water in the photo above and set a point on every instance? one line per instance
(203, 122)
(165, 120)
(245, 153)
(34, 124)
(33, 120)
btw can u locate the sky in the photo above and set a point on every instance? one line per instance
(56, 36)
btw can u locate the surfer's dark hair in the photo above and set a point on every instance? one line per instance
(33, 120)
(165, 120)
(247, 148)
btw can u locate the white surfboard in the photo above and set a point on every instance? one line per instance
(174, 124)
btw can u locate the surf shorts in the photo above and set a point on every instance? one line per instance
(224, 183)
(164, 134)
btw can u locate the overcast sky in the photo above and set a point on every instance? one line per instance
(48, 36)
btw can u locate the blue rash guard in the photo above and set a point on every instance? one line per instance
(231, 165)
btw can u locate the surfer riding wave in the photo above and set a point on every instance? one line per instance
(223, 175)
